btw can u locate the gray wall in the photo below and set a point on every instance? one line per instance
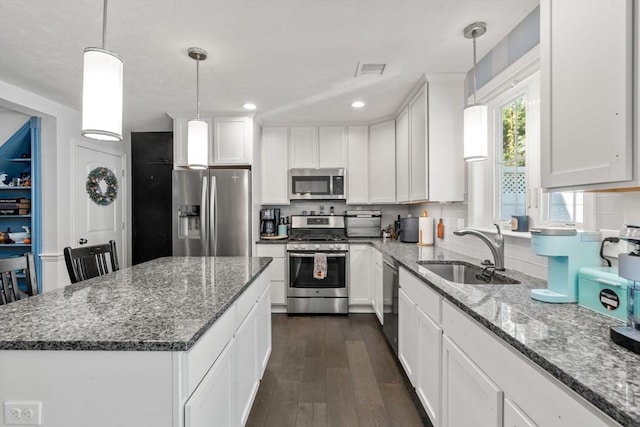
(519, 41)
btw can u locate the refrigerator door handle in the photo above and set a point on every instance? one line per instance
(213, 223)
(204, 235)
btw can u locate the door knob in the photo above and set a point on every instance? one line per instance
(82, 241)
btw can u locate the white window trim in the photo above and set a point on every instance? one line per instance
(530, 89)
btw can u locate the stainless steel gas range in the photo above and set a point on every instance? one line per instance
(312, 239)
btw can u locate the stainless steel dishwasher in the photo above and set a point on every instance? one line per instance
(390, 285)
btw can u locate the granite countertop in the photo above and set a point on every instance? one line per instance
(568, 341)
(161, 305)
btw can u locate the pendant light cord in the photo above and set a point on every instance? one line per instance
(198, 88)
(475, 83)
(104, 24)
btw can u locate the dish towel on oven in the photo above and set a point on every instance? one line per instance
(319, 266)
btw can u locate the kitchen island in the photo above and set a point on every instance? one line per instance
(178, 341)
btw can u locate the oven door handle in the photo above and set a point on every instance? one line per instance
(329, 255)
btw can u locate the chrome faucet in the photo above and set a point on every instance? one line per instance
(496, 246)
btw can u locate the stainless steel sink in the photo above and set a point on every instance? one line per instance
(462, 272)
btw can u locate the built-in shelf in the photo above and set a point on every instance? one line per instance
(15, 167)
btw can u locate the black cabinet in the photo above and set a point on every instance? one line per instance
(151, 166)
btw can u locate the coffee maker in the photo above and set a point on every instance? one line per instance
(629, 268)
(269, 220)
(568, 250)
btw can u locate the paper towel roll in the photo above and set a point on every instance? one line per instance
(426, 227)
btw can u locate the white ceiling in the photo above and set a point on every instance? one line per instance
(295, 59)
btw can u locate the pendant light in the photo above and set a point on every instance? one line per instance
(102, 91)
(197, 129)
(475, 115)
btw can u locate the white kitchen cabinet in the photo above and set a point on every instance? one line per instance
(377, 292)
(247, 377)
(264, 329)
(446, 174)
(407, 344)
(278, 271)
(586, 143)
(514, 417)
(359, 278)
(230, 140)
(358, 165)
(313, 147)
(537, 394)
(212, 402)
(418, 148)
(382, 162)
(402, 156)
(274, 172)
(332, 147)
(469, 397)
(303, 147)
(432, 166)
(428, 375)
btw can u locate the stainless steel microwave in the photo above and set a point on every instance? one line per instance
(308, 184)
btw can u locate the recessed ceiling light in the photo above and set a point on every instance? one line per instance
(357, 104)
(249, 106)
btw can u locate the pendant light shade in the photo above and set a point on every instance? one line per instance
(102, 91)
(197, 129)
(476, 136)
(102, 95)
(475, 133)
(197, 143)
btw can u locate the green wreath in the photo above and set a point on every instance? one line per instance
(95, 177)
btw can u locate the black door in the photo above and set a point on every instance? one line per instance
(151, 166)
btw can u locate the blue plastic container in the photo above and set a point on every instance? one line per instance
(601, 289)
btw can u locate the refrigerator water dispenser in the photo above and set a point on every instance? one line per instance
(189, 222)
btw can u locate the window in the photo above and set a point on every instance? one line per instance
(511, 149)
(566, 207)
(508, 183)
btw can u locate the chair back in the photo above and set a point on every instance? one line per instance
(9, 269)
(87, 262)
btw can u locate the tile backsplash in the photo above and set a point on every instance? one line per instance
(613, 211)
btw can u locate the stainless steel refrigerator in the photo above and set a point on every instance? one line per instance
(212, 212)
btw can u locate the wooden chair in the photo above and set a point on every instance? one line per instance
(87, 262)
(9, 290)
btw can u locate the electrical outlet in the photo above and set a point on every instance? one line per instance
(23, 413)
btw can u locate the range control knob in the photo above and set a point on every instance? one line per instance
(317, 246)
(338, 247)
(303, 246)
(332, 247)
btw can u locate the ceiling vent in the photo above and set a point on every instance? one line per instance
(370, 69)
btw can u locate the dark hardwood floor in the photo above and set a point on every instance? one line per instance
(332, 371)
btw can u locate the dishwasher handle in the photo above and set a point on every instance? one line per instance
(391, 265)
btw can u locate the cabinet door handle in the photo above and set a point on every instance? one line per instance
(82, 241)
